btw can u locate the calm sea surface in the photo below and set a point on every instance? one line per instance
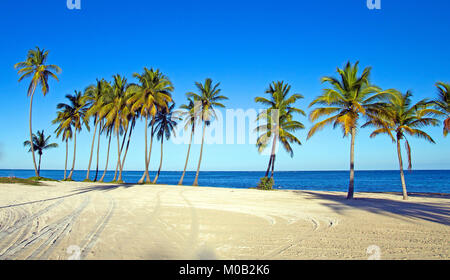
(431, 181)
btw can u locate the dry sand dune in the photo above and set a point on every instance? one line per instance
(104, 221)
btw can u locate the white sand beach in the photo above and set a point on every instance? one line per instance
(73, 220)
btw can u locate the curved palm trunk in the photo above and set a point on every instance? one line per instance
(118, 154)
(107, 159)
(402, 175)
(268, 167)
(146, 176)
(351, 186)
(126, 150)
(92, 149)
(145, 152)
(98, 154)
(31, 133)
(74, 153)
(160, 162)
(187, 157)
(200, 159)
(65, 165)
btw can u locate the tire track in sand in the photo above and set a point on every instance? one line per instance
(91, 239)
(51, 234)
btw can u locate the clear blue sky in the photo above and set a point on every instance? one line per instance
(243, 44)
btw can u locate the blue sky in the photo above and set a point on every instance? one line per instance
(243, 44)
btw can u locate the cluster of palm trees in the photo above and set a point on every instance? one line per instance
(349, 98)
(115, 107)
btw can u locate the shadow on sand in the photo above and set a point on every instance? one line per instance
(81, 190)
(437, 212)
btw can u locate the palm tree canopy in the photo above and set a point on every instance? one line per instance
(206, 100)
(279, 117)
(116, 111)
(35, 67)
(40, 142)
(166, 121)
(153, 91)
(72, 114)
(442, 103)
(95, 96)
(399, 117)
(187, 112)
(348, 97)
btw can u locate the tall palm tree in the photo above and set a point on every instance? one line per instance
(94, 98)
(280, 123)
(442, 104)
(40, 143)
(208, 98)
(152, 92)
(399, 118)
(115, 114)
(190, 118)
(64, 128)
(35, 67)
(74, 113)
(166, 121)
(350, 97)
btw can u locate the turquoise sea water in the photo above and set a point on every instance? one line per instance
(427, 181)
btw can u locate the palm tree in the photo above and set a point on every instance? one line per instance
(190, 118)
(399, 118)
(208, 97)
(152, 92)
(279, 121)
(165, 121)
(94, 98)
(35, 67)
(74, 113)
(443, 104)
(40, 143)
(115, 114)
(349, 98)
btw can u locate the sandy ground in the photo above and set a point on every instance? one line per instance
(104, 221)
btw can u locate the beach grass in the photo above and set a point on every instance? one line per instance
(42, 179)
(13, 180)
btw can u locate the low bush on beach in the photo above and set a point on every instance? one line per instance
(265, 183)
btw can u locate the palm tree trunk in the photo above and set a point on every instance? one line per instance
(39, 166)
(187, 157)
(92, 149)
(98, 154)
(118, 155)
(201, 154)
(74, 153)
(351, 186)
(160, 162)
(272, 156)
(402, 175)
(126, 150)
(31, 132)
(146, 175)
(145, 153)
(107, 159)
(268, 167)
(65, 165)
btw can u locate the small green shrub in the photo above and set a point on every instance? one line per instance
(265, 183)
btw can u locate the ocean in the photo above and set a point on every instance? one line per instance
(423, 181)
